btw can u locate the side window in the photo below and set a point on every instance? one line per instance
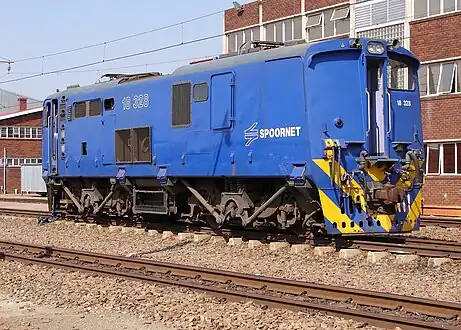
(47, 114)
(95, 108)
(79, 109)
(181, 105)
(200, 92)
(109, 104)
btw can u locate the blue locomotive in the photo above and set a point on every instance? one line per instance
(321, 138)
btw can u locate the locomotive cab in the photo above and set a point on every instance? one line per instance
(373, 146)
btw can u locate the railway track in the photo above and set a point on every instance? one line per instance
(375, 308)
(446, 222)
(395, 244)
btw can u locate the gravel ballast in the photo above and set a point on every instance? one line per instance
(155, 307)
(413, 279)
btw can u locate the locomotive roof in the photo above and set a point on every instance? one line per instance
(227, 62)
(260, 56)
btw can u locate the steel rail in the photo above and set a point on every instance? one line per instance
(428, 307)
(393, 244)
(407, 245)
(439, 221)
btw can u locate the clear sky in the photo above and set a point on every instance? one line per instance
(35, 28)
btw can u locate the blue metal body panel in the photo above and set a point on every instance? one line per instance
(268, 114)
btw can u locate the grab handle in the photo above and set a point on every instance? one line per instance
(368, 112)
(389, 108)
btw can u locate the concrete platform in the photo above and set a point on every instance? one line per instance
(23, 198)
(24, 206)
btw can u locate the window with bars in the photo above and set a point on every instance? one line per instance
(17, 162)
(286, 30)
(372, 13)
(443, 158)
(328, 23)
(236, 39)
(440, 78)
(426, 8)
(15, 132)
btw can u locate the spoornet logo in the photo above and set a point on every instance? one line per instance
(252, 133)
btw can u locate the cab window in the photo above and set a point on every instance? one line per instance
(400, 74)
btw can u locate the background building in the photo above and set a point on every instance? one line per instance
(20, 137)
(429, 28)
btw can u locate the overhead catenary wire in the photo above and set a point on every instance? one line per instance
(104, 43)
(155, 50)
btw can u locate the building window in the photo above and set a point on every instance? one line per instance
(426, 8)
(20, 132)
(440, 78)
(379, 12)
(328, 23)
(443, 158)
(17, 162)
(236, 39)
(284, 31)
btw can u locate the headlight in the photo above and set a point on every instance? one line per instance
(375, 48)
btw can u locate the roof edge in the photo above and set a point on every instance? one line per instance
(20, 113)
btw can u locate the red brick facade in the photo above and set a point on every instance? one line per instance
(250, 16)
(431, 39)
(19, 148)
(275, 9)
(312, 5)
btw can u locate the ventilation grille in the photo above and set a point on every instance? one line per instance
(181, 105)
(69, 113)
(80, 110)
(95, 108)
(123, 146)
(141, 145)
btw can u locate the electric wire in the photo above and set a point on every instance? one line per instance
(104, 43)
(113, 59)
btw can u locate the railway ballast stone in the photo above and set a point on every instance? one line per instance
(167, 234)
(320, 251)
(139, 230)
(91, 225)
(127, 229)
(114, 229)
(185, 236)
(374, 257)
(218, 239)
(274, 246)
(297, 248)
(152, 232)
(437, 262)
(406, 258)
(349, 253)
(235, 241)
(253, 243)
(201, 237)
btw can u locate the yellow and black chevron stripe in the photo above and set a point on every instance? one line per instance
(382, 223)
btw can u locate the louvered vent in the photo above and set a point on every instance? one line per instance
(69, 113)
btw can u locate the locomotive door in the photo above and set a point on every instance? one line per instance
(222, 87)
(53, 137)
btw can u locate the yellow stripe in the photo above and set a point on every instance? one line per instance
(376, 173)
(333, 214)
(356, 189)
(414, 213)
(386, 221)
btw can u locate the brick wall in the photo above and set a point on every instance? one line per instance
(440, 117)
(436, 38)
(274, 9)
(432, 39)
(312, 5)
(271, 10)
(19, 148)
(442, 191)
(250, 16)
